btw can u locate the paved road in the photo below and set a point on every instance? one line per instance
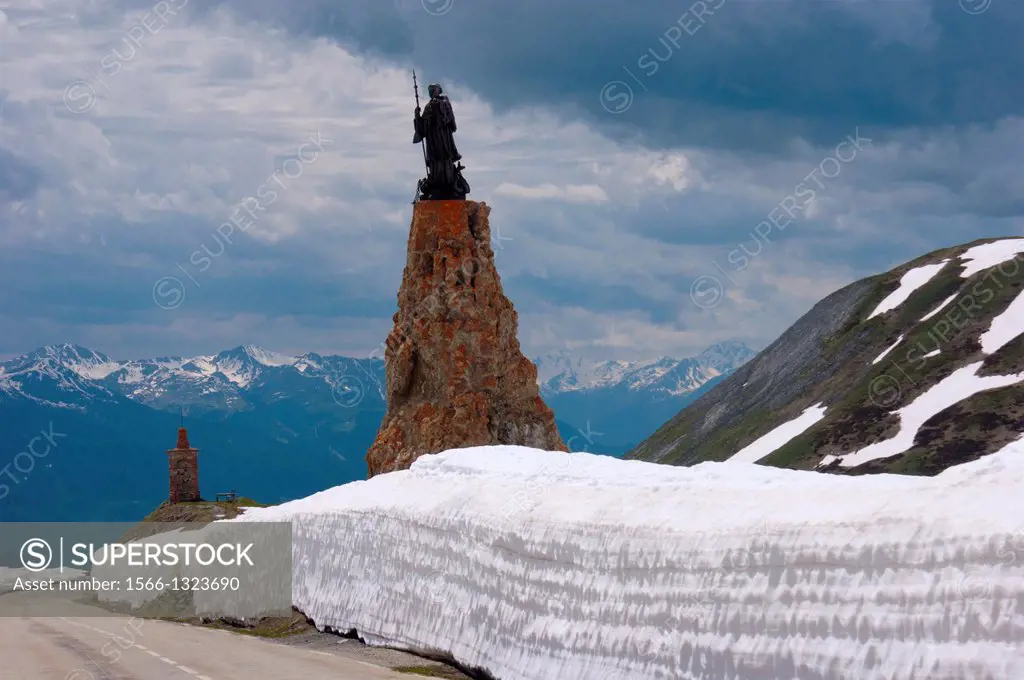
(109, 648)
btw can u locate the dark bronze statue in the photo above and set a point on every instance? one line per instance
(435, 128)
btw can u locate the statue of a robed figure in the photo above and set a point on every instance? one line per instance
(435, 129)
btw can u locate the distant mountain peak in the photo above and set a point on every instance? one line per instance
(57, 373)
(67, 352)
(727, 355)
(66, 356)
(564, 371)
(258, 355)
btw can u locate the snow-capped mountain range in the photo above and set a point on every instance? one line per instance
(217, 382)
(564, 372)
(66, 375)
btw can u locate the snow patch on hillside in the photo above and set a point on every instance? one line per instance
(987, 255)
(203, 365)
(131, 374)
(538, 565)
(1005, 327)
(778, 437)
(889, 349)
(236, 372)
(94, 370)
(307, 363)
(911, 281)
(940, 307)
(958, 386)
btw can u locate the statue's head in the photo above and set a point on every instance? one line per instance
(434, 90)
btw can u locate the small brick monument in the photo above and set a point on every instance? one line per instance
(184, 470)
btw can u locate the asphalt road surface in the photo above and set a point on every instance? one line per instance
(120, 648)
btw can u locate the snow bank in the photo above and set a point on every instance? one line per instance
(551, 566)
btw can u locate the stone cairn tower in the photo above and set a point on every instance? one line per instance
(184, 470)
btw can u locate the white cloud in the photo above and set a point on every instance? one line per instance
(674, 169)
(572, 193)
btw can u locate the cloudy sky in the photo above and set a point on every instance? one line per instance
(662, 175)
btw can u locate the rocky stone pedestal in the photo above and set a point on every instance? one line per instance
(456, 376)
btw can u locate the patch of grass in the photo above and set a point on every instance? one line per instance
(437, 671)
(674, 433)
(272, 627)
(201, 511)
(168, 516)
(796, 452)
(856, 331)
(277, 627)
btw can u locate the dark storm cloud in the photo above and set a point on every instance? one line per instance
(692, 219)
(745, 74)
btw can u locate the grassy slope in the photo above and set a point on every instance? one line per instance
(861, 396)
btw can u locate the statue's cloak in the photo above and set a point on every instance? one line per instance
(437, 127)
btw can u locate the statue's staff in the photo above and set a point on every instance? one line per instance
(423, 143)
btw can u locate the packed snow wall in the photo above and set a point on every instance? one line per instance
(539, 565)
